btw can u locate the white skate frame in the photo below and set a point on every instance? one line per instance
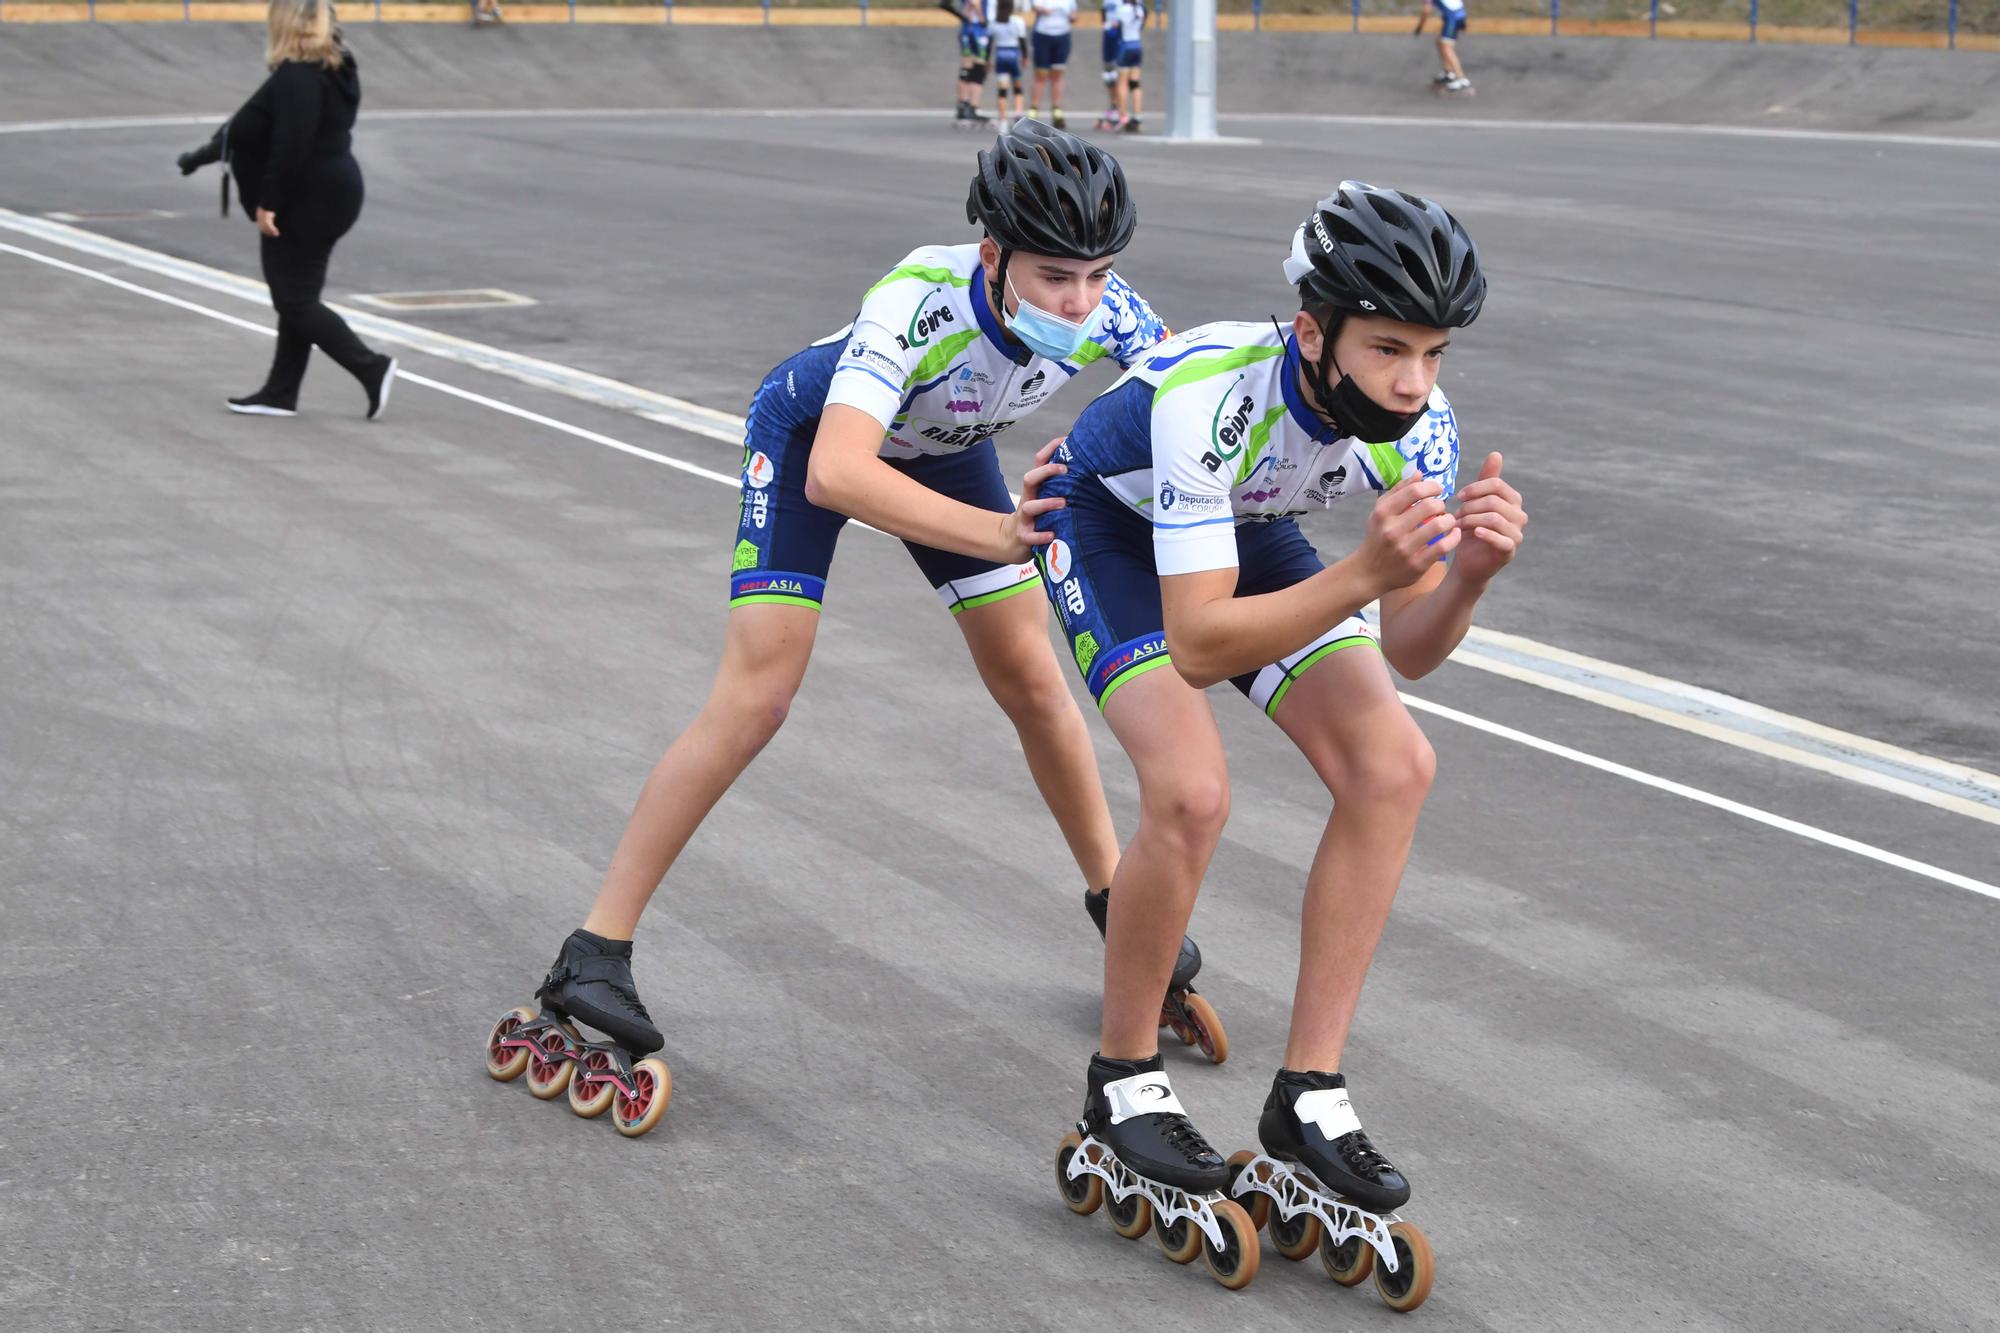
(1294, 1190)
(1094, 1158)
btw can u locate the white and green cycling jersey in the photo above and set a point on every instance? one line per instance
(1210, 429)
(929, 359)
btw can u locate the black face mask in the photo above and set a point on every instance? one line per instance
(1353, 411)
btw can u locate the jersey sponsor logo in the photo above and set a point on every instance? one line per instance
(778, 584)
(1167, 495)
(1062, 450)
(758, 472)
(924, 323)
(962, 405)
(1272, 471)
(964, 437)
(1226, 434)
(1198, 504)
(1111, 667)
(1086, 651)
(1331, 486)
(760, 506)
(890, 367)
(746, 556)
(1034, 382)
(1059, 560)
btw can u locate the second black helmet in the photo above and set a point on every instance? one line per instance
(1047, 192)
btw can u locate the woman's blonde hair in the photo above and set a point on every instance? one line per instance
(304, 30)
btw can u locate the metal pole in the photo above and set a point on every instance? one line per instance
(1853, 19)
(864, 13)
(1951, 28)
(1753, 21)
(1653, 19)
(1356, 9)
(1191, 69)
(1257, 14)
(1555, 18)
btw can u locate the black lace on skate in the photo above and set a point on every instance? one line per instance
(1361, 1156)
(1181, 1135)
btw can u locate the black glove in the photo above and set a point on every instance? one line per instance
(194, 161)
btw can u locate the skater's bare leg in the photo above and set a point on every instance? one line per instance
(1009, 641)
(764, 659)
(1167, 728)
(1345, 717)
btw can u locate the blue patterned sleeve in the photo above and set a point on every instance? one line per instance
(1133, 327)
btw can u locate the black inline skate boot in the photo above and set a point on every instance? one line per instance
(591, 983)
(1131, 1109)
(1320, 1186)
(1309, 1122)
(1192, 1018)
(1136, 1154)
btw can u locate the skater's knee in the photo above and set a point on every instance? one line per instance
(1190, 806)
(1031, 691)
(755, 707)
(1397, 771)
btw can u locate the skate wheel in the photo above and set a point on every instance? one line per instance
(1180, 1240)
(1405, 1289)
(1208, 1033)
(506, 1065)
(1255, 1204)
(1172, 1022)
(1347, 1263)
(1297, 1237)
(589, 1098)
(549, 1069)
(1085, 1194)
(1236, 1262)
(1131, 1216)
(652, 1089)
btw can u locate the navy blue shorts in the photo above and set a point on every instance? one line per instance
(1007, 62)
(1110, 47)
(1051, 52)
(1131, 57)
(1101, 579)
(1454, 21)
(784, 542)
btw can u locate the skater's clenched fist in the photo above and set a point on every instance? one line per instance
(1409, 531)
(1490, 511)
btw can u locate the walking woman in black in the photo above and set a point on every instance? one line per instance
(290, 149)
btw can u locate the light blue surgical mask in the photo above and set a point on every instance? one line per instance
(1050, 335)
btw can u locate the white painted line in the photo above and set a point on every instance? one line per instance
(1624, 127)
(1695, 794)
(1883, 138)
(1957, 788)
(1700, 797)
(597, 389)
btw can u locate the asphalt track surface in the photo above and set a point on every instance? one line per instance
(318, 733)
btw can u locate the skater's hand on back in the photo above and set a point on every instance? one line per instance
(267, 222)
(1491, 512)
(1408, 532)
(1019, 526)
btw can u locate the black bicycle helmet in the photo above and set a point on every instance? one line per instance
(1382, 252)
(1046, 192)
